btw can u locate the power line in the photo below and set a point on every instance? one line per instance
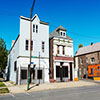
(7, 13)
(74, 33)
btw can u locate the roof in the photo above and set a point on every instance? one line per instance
(14, 43)
(61, 28)
(41, 22)
(88, 49)
(55, 33)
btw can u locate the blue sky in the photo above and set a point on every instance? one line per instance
(80, 17)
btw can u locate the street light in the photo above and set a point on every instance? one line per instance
(29, 66)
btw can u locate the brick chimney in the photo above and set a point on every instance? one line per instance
(91, 43)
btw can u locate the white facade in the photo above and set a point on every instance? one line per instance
(22, 56)
(76, 67)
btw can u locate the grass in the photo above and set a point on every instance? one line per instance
(2, 84)
(4, 90)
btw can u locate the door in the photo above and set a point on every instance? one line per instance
(71, 77)
(57, 73)
(65, 73)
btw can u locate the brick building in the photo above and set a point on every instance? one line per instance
(61, 56)
(89, 55)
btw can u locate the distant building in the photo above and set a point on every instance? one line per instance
(61, 56)
(89, 55)
(19, 56)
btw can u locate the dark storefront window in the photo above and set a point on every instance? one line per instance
(23, 74)
(66, 71)
(15, 65)
(39, 74)
(57, 71)
(33, 74)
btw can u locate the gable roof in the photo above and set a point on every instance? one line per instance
(60, 28)
(88, 49)
(55, 33)
(35, 16)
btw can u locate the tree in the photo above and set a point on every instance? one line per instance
(3, 54)
(80, 46)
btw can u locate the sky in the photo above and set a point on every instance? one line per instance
(81, 18)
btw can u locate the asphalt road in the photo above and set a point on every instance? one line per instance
(80, 93)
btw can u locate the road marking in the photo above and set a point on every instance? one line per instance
(13, 96)
(27, 93)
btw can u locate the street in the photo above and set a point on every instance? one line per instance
(80, 93)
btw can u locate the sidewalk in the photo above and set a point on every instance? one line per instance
(23, 88)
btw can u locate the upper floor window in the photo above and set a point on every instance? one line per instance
(33, 28)
(57, 49)
(36, 28)
(43, 46)
(64, 34)
(26, 46)
(63, 50)
(81, 61)
(86, 60)
(61, 33)
(92, 60)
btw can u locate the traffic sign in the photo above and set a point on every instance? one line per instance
(32, 62)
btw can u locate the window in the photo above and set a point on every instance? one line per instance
(57, 71)
(63, 50)
(92, 60)
(57, 49)
(39, 74)
(65, 71)
(86, 60)
(33, 74)
(43, 43)
(61, 33)
(91, 71)
(15, 65)
(31, 45)
(84, 71)
(33, 28)
(36, 28)
(26, 47)
(64, 34)
(23, 74)
(81, 61)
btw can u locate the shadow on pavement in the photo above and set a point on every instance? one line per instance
(33, 86)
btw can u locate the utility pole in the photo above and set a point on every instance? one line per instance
(29, 66)
(39, 65)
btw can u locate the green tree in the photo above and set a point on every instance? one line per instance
(80, 46)
(3, 54)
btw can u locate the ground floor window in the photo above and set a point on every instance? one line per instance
(61, 71)
(39, 74)
(57, 71)
(23, 74)
(33, 74)
(65, 71)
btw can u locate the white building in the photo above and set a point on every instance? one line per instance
(19, 56)
(61, 56)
